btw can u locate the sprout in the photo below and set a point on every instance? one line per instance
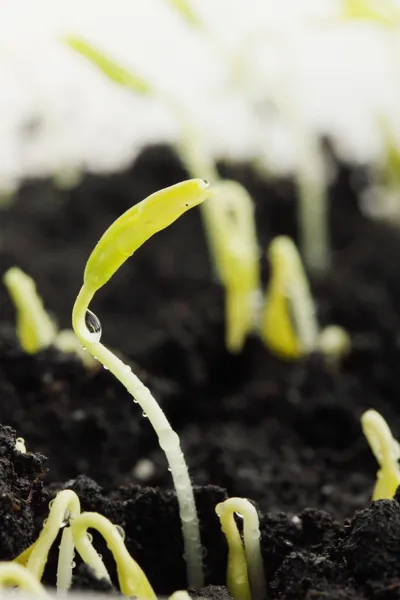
(14, 575)
(245, 565)
(35, 329)
(65, 506)
(229, 220)
(65, 562)
(289, 326)
(132, 580)
(20, 445)
(383, 12)
(387, 452)
(119, 242)
(234, 246)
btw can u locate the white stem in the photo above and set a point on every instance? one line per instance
(65, 562)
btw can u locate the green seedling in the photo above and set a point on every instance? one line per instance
(245, 572)
(132, 580)
(117, 244)
(13, 575)
(232, 235)
(289, 325)
(228, 220)
(35, 329)
(386, 451)
(65, 513)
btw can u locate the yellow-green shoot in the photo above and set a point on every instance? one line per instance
(132, 580)
(228, 220)
(117, 244)
(233, 239)
(13, 575)
(35, 328)
(386, 451)
(289, 325)
(245, 572)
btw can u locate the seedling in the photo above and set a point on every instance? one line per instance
(233, 238)
(117, 244)
(36, 330)
(387, 452)
(14, 575)
(289, 325)
(132, 580)
(245, 572)
(228, 221)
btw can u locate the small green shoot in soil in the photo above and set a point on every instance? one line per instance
(245, 572)
(387, 452)
(117, 244)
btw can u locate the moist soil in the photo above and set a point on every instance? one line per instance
(286, 435)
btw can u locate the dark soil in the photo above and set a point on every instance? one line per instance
(285, 435)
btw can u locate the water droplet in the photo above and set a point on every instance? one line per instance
(73, 564)
(144, 415)
(106, 368)
(93, 325)
(51, 503)
(45, 522)
(168, 439)
(127, 368)
(89, 537)
(238, 514)
(120, 530)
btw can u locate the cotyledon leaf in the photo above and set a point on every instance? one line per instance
(138, 224)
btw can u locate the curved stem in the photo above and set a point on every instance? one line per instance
(168, 439)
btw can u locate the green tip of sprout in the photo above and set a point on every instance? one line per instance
(387, 452)
(108, 67)
(245, 572)
(117, 244)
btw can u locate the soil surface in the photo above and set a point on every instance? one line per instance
(285, 435)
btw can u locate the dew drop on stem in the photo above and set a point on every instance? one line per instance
(93, 325)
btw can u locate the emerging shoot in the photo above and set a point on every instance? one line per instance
(117, 244)
(288, 325)
(245, 573)
(233, 239)
(14, 575)
(387, 452)
(132, 580)
(35, 328)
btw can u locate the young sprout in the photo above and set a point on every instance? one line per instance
(387, 452)
(245, 573)
(117, 244)
(35, 329)
(14, 575)
(311, 187)
(64, 507)
(288, 325)
(132, 580)
(233, 240)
